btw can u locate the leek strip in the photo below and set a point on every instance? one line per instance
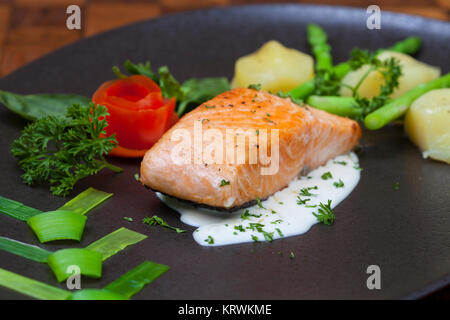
(88, 262)
(16, 209)
(96, 294)
(24, 250)
(134, 280)
(86, 201)
(116, 241)
(58, 225)
(31, 287)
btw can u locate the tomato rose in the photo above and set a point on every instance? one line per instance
(138, 113)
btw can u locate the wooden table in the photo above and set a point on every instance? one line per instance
(31, 28)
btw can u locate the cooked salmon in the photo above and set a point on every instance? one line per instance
(300, 138)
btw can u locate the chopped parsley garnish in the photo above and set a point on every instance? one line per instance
(268, 120)
(257, 132)
(357, 167)
(268, 236)
(235, 233)
(255, 238)
(305, 191)
(209, 107)
(258, 201)
(129, 219)
(210, 240)
(291, 255)
(396, 186)
(239, 228)
(277, 221)
(136, 176)
(279, 232)
(311, 206)
(338, 184)
(268, 114)
(327, 175)
(343, 163)
(224, 183)
(325, 213)
(157, 221)
(301, 201)
(255, 226)
(246, 215)
(255, 86)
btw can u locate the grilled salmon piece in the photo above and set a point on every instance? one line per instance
(307, 138)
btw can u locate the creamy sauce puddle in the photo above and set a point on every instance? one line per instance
(280, 216)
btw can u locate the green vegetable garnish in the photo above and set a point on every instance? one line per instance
(279, 232)
(325, 213)
(210, 240)
(327, 175)
(116, 241)
(37, 106)
(134, 280)
(31, 287)
(17, 210)
(86, 201)
(338, 184)
(396, 186)
(58, 225)
(239, 228)
(157, 221)
(291, 255)
(89, 263)
(399, 106)
(96, 294)
(27, 251)
(61, 151)
(129, 219)
(301, 201)
(256, 86)
(224, 183)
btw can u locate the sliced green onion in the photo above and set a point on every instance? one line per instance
(89, 263)
(115, 242)
(96, 294)
(31, 287)
(24, 250)
(135, 279)
(17, 210)
(86, 201)
(58, 225)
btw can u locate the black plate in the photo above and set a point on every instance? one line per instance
(405, 231)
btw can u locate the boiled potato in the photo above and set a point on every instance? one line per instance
(414, 73)
(427, 124)
(275, 67)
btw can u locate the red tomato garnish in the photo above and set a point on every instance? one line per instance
(138, 113)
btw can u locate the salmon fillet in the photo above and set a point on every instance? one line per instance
(307, 138)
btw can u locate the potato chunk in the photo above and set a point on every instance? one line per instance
(427, 124)
(275, 67)
(414, 73)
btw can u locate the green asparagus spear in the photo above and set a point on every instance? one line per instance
(397, 107)
(342, 106)
(317, 38)
(409, 46)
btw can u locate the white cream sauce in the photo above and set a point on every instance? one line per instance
(280, 211)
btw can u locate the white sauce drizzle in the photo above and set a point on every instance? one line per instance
(280, 211)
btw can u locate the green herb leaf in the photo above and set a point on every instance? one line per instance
(37, 106)
(327, 175)
(325, 213)
(224, 183)
(338, 184)
(61, 151)
(157, 221)
(256, 86)
(210, 240)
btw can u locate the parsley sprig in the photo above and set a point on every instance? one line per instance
(62, 150)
